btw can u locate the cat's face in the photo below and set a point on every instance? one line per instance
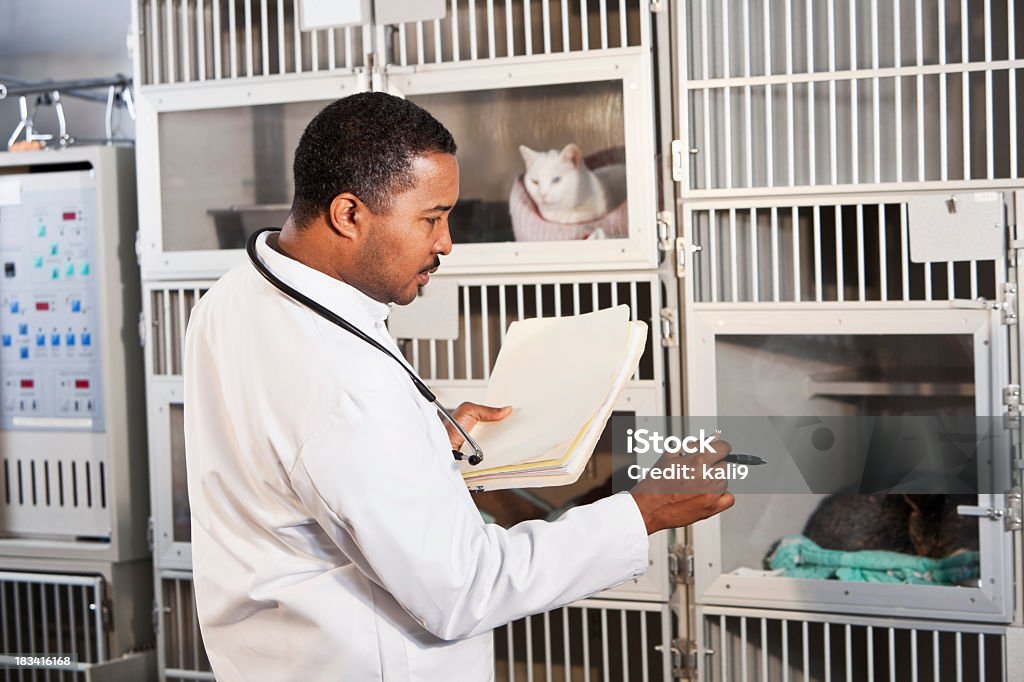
(552, 178)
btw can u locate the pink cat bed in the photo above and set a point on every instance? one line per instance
(529, 226)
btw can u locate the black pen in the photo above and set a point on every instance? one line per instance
(740, 458)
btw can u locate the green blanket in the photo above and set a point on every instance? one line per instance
(799, 557)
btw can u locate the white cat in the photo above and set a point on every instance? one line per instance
(566, 191)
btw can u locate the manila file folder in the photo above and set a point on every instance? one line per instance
(562, 376)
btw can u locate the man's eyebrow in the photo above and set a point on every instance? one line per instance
(439, 207)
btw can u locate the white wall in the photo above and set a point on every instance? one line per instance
(61, 40)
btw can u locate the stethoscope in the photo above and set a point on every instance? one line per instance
(261, 267)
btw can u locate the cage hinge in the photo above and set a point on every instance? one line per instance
(664, 225)
(1009, 303)
(150, 533)
(1009, 515)
(106, 614)
(155, 614)
(680, 565)
(678, 159)
(669, 328)
(684, 659)
(659, 5)
(1011, 396)
(682, 251)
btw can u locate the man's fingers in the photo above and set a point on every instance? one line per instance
(483, 413)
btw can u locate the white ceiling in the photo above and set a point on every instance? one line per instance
(76, 27)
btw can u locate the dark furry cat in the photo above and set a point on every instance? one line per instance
(925, 525)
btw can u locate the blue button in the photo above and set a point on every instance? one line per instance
(8, 340)
(76, 306)
(69, 339)
(40, 339)
(23, 329)
(54, 339)
(55, 274)
(86, 339)
(24, 353)
(53, 249)
(15, 307)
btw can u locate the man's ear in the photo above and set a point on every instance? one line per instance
(346, 215)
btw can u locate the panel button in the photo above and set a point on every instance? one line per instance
(24, 353)
(76, 305)
(54, 339)
(69, 339)
(15, 307)
(40, 339)
(23, 329)
(86, 339)
(85, 268)
(9, 269)
(8, 340)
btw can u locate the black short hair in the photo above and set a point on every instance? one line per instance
(364, 144)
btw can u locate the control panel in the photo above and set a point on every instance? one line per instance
(50, 373)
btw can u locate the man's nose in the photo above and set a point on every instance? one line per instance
(443, 246)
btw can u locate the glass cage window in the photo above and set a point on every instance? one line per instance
(551, 168)
(225, 173)
(850, 375)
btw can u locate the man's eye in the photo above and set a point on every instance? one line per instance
(433, 221)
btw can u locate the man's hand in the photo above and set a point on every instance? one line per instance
(677, 503)
(468, 414)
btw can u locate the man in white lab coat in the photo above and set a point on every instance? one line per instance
(333, 536)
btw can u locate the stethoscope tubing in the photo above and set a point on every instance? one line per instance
(334, 318)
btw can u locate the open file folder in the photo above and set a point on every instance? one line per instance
(562, 376)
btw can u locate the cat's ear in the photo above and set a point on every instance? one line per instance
(572, 154)
(529, 156)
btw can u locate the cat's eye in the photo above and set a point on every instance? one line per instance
(557, 178)
(535, 181)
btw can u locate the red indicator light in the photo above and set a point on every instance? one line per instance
(81, 383)
(28, 383)
(42, 306)
(70, 215)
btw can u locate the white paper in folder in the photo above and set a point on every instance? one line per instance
(561, 376)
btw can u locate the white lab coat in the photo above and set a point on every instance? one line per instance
(332, 535)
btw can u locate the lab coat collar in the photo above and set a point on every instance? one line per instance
(340, 297)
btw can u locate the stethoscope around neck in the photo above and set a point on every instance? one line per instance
(333, 318)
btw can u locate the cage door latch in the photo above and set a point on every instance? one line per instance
(1010, 515)
(684, 658)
